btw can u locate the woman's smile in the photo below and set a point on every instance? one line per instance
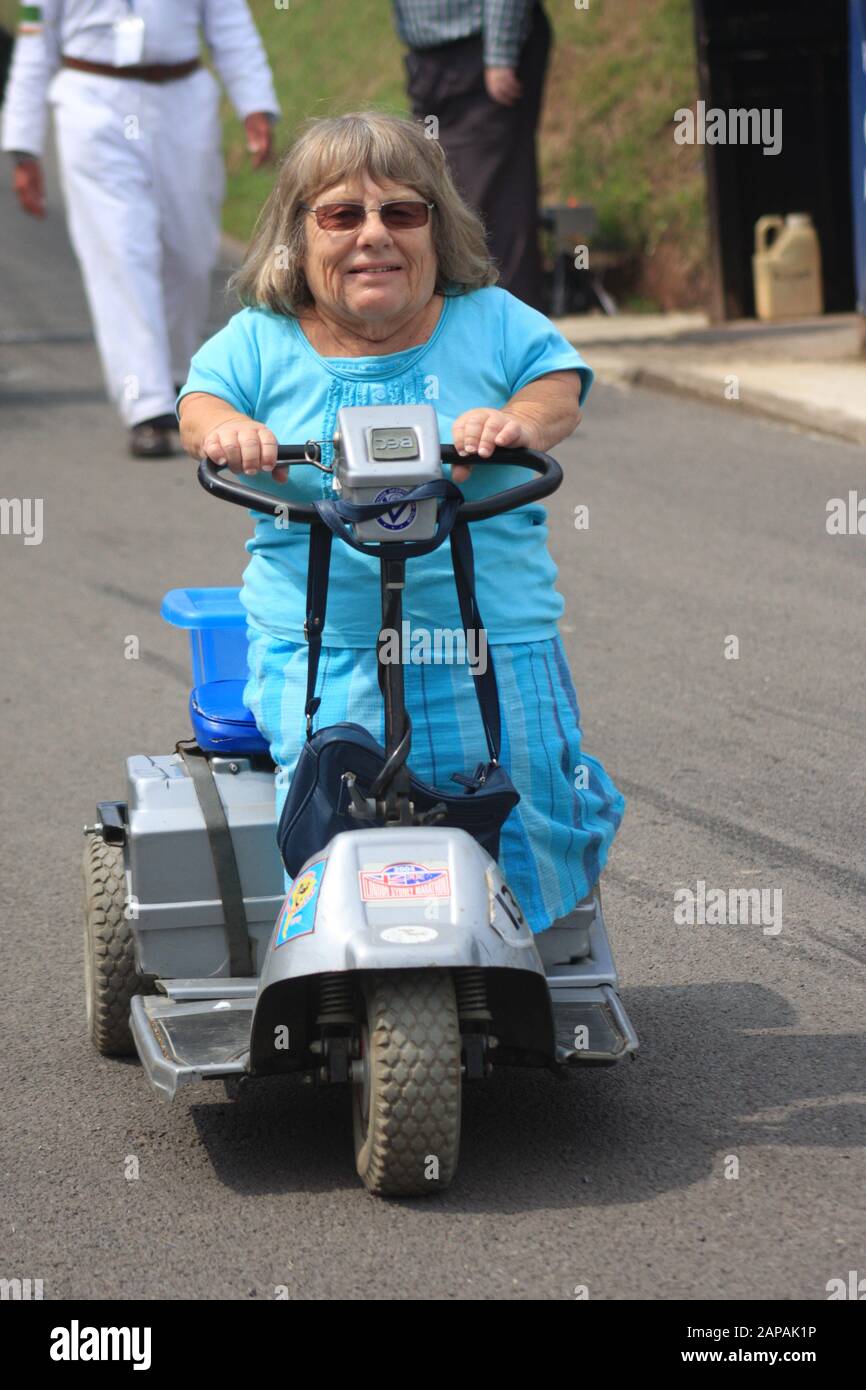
(386, 269)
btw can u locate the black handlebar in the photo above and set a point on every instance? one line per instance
(547, 480)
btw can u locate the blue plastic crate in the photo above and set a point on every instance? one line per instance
(217, 626)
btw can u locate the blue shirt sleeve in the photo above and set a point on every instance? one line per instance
(532, 347)
(228, 365)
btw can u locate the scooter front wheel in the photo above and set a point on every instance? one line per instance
(407, 1083)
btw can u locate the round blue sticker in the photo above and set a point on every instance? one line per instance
(398, 517)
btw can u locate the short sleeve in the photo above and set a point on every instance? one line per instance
(533, 347)
(228, 365)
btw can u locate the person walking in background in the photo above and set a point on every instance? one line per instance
(478, 67)
(139, 151)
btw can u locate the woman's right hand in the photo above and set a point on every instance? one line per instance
(245, 446)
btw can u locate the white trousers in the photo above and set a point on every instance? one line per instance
(143, 182)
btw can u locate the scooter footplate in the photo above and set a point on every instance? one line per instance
(592, 1027)
(181, 1043)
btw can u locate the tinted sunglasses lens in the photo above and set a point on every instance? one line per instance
(403, 215)
(347, 217)
(340, 217)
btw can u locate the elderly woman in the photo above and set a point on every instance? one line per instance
(367, 281)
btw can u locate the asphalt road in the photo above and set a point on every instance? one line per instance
(704, 522)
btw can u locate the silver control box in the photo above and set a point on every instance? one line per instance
(381, 452)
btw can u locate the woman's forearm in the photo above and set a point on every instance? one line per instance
(549, 406)
(199, 414)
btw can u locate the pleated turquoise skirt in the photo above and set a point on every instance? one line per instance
(555, 843)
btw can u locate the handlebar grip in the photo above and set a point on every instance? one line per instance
(229, 490)
(547, 480)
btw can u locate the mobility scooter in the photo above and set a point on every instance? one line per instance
(399, 964)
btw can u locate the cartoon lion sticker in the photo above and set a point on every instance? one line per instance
(301, 891)
(297, 917)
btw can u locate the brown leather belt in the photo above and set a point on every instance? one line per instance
(146, 72)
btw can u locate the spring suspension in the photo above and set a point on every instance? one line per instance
(336, 1006)
(472, 996)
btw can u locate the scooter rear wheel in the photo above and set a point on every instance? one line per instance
(110, 976)
(407, 1083)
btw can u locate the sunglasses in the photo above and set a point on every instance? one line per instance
(399, 215)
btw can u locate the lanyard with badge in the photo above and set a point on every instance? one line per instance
(128, 38)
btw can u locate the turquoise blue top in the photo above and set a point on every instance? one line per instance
(486, 346)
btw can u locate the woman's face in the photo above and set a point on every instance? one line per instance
(339, 266)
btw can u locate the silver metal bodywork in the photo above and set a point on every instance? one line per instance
(475, 924)
(184, 1042)
(466, 926)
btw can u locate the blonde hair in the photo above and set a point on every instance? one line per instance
(331, 150)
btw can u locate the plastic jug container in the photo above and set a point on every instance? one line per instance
(786, 267)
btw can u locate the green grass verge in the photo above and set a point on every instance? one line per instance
(621, 71)
(326, 58)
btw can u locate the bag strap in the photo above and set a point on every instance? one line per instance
(318, 569)
(463, 559)
(196, 762)
(486, 688)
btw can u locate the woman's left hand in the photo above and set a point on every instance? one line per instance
(480, 431)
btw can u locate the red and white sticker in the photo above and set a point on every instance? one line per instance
(404, 881)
